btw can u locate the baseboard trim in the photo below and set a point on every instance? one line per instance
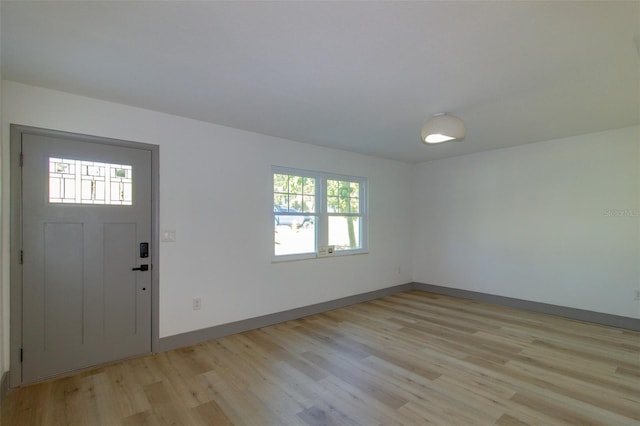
(562, 311)
(193, 337)
(197, 336)
(4, 386)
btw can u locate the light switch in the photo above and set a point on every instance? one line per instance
(168, 236)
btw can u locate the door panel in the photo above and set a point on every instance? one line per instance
(82, 303)
(63, 286)
(120, 297)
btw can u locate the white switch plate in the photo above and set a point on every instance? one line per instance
(168, 236)
(324, 251)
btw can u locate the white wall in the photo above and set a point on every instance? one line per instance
(215, 192)
(535, 222)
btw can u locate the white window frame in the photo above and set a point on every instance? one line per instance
(322, 222)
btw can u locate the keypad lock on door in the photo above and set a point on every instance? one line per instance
(144, 250)
(144, 253)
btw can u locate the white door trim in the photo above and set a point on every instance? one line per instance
(15, 208)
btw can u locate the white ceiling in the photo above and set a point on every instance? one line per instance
(360, 76)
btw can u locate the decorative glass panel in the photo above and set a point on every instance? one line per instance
(89, 182)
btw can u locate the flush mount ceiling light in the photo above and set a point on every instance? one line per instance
(443, 127)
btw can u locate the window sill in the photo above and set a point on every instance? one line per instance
(311, 256)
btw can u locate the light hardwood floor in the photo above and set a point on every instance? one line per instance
(414, 358)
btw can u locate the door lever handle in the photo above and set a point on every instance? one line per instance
(141, 268)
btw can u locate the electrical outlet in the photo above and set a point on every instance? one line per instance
(637, 295)
(197, 304)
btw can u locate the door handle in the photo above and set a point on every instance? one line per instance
(141, 268)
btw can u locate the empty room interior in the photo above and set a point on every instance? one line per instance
(320, 213)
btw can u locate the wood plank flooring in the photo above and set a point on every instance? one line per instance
(413, 358)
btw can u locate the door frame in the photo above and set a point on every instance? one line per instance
(15, 244)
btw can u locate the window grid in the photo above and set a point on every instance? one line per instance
(89, 182)
(343, 196)
(294, 193)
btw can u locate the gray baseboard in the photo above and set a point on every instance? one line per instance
(4, 386)
(218, 331)
(562, 311)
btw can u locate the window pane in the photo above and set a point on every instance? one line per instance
(280, 201)
(55, 185)
(295, 203)
(341, 195)
(309, 204)
(344, 232)
(309, 186)
(294, 234)
(355, 205)
(332, 187)
(280, 182)
(296, 184)
(344, 205)
(333, 204)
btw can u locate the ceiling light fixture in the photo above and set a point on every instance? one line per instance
(443, 127)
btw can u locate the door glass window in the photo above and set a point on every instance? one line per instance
(89, 182)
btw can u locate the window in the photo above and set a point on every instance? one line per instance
(89, 182)
(313, 211)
